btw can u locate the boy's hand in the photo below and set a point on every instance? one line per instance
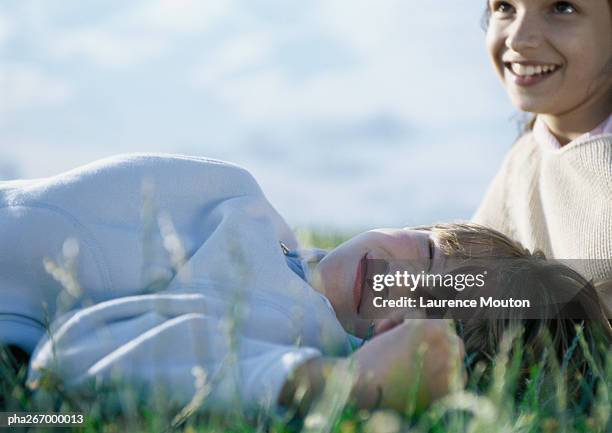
(414, 358)
(390, 322)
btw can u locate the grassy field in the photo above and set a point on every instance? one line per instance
(489, 403)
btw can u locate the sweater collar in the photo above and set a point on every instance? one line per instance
(545, 138)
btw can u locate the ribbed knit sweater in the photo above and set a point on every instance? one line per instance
(558, 201)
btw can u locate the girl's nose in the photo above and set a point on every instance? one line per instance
(525, 33)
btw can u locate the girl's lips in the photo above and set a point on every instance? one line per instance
(529, 80)
(359, 279)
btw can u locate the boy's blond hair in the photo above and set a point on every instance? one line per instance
(522, 273)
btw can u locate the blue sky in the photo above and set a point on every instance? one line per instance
(351, 113)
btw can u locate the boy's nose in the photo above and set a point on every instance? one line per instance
(525, 33)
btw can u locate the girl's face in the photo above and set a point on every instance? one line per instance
(553, 57)
(341, 275)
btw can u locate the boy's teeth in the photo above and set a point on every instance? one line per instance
(529, 70)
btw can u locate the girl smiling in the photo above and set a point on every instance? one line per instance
(554, 189)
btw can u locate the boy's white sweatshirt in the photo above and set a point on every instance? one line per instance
(145, 309)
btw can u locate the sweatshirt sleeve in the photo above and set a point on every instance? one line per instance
(32, 235)
(173, 342)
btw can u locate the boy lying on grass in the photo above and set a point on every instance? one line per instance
(151, 271)
(570, 327)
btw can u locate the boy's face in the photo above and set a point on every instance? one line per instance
(553, 56)
(341, 275)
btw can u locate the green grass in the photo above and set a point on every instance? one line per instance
(485, 406)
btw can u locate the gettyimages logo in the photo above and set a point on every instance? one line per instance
(458, 282)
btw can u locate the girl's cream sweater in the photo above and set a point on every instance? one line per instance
(558, 201)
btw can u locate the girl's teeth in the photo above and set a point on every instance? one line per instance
(529, 70)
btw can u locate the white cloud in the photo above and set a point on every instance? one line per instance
(365, 26)
(235, 56)
(24, 86)
(180, 16)
(106, 48)
(142, 32)
(7, 30)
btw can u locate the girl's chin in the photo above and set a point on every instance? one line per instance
(531, 105)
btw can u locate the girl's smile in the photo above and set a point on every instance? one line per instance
(527, 73)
